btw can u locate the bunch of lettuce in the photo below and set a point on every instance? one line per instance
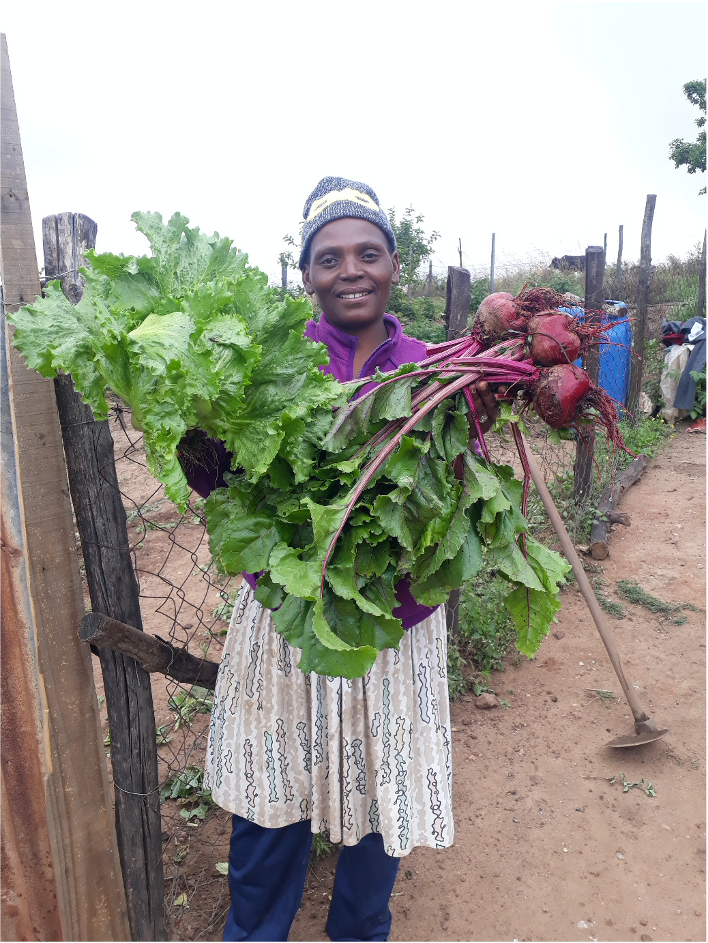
(191, 337)
(188, 337)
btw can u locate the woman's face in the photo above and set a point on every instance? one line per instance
(351, 270)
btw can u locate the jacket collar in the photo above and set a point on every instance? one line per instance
(342, 347)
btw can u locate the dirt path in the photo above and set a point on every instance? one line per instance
(546, 848)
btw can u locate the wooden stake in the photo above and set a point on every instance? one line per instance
(701, 303)
(491, 274)
(619, 264)
(639, 326)
(594, 300)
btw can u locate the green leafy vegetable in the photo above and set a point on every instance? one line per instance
(337, 500)
(179, 336)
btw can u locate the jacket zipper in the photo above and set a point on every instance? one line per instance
(373, 354)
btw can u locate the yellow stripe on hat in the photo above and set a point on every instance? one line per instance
(334, 196)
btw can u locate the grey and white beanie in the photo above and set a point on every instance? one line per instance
(335, 198)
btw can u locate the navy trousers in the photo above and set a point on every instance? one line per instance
(267, 872)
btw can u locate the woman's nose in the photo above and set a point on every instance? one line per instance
(352, 267)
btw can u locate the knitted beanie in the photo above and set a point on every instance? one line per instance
(335, 198)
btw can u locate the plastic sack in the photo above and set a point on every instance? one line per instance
(675, 361)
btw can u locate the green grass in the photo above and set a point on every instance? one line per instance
(634, 593)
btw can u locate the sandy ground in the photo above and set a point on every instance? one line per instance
(546, 847)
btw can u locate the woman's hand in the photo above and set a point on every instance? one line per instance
(486, 405)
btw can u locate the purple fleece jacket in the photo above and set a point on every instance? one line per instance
(397, 350)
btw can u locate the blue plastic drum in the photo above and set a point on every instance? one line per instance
(615, 352)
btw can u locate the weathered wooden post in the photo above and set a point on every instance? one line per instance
(618, 296)
(491, 272)
(60, 868)
(639, 326)
(701, 303)
(594, 300)
(457, 315)
(101, 522)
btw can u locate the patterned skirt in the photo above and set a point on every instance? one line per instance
(355, 756)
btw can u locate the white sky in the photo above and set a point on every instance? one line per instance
(547, 123)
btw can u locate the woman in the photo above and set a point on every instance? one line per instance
(291, 754)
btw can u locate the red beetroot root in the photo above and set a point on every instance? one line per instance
(498, 316)
(554, 338)
(558, 393)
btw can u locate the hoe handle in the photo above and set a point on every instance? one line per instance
(584, 584)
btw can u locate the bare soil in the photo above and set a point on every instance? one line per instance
(546, 846)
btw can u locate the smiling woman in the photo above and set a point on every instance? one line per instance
(367, 758)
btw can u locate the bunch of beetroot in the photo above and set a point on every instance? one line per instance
(563, 394)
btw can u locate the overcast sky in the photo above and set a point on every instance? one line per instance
(546, 123)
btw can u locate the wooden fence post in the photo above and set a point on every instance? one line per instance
(457, 315)
(639, 326)
(60, 867)
(618, 296)
(701, 303)
(459, 297)
(101, 522)
(594, 300)
(491, 271)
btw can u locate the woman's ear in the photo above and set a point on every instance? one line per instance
(396, 262)
(307, 281)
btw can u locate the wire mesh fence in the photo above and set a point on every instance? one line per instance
(186, 602)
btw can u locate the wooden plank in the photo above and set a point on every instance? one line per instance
(639, 326)
(594, 300)
(29, 905)
(101, 522)
(88, 890)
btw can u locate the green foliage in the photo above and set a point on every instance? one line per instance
(180, 335)
(414, 245)
(487, 629)
(628, 784)
(188, 789)
(634, 593)
(699, 406)
(456, 681)
(191, 338)
(610, 606)
(421, 317)
(642, 438)
(692, 154)
(651, 374)
(187, 704)
(224, 611)
(322, 846)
